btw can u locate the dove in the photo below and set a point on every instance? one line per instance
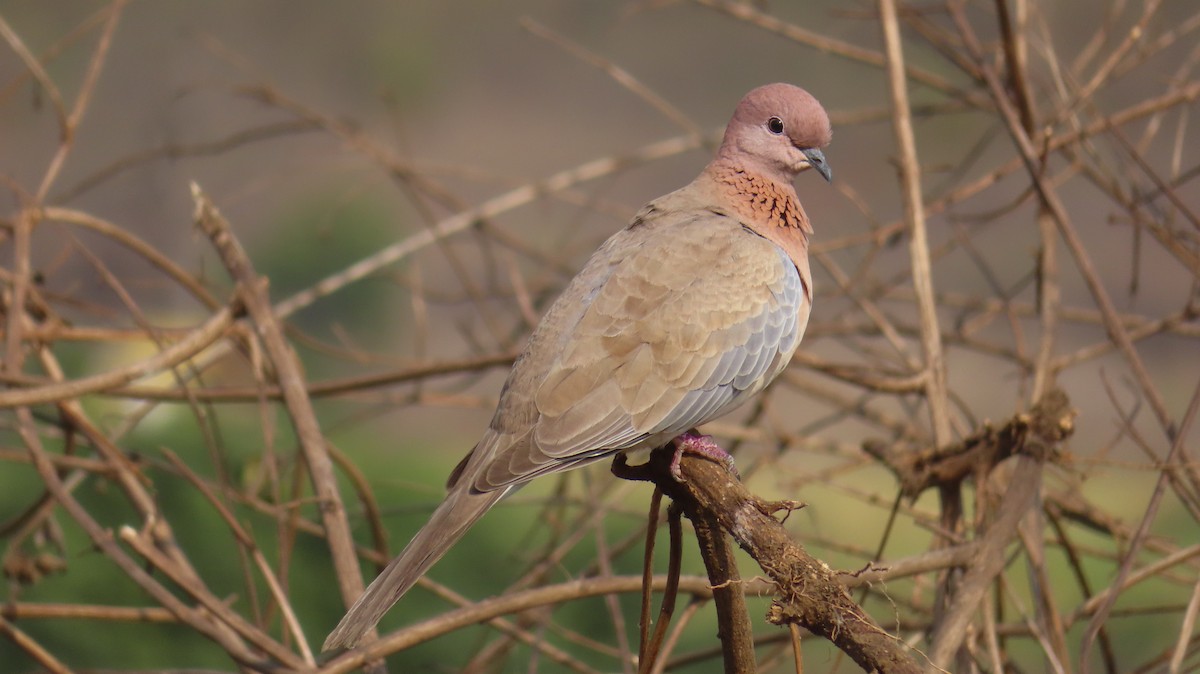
(675, 320)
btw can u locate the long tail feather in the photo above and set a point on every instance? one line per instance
(449, 522)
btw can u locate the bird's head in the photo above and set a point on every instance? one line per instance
(778, 129)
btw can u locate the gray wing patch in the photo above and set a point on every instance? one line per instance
(746, 370)
(593, 416)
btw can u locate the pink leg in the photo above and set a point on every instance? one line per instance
(702, 445)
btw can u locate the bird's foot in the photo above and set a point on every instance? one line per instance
(692, 442)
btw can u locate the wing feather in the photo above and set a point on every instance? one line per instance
(640, 347)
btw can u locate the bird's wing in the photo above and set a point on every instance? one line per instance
(667, 327)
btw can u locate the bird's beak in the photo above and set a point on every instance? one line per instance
(816, 159)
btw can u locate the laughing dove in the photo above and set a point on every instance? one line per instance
(677, 319)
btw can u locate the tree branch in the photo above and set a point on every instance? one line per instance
(809, 593)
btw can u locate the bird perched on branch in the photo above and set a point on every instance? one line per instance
(677, 319)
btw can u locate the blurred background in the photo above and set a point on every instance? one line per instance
(328, 132)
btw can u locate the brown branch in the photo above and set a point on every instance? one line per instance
(1021, 495)
(216, 147)
(1031, 437)
(319, 389)
(193, 343)
(83, 99)
(487, 609)
(104, 540)
(809, 593)
(35, 650)
(649, 641)
(914, 217)
(1052, 420)
(210, 602)
(733, 620)
(464, 220)
(44, 611)
(618, 74)
(747, 12)
(1087, 268)
(1107, 599)
(247, 542)
(39, 74)
(291, 380)
(131, 241)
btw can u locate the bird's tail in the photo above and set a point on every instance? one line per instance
(449, 522)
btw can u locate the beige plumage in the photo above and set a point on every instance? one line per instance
(694, 307)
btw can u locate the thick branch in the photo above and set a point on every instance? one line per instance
(809, 593)
(1051, 420)
(733, 624)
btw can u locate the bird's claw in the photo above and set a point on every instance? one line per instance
(700, 445)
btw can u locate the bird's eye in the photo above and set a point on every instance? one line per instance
(775, 125)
